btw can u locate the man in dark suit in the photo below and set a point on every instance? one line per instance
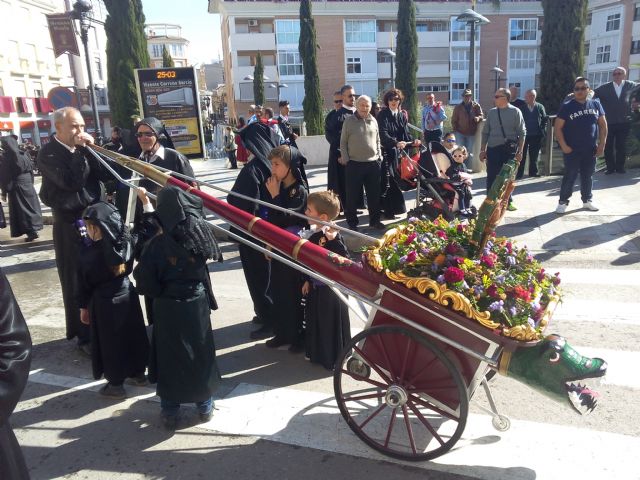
(535, 120)
(71, 181)
(614, 97)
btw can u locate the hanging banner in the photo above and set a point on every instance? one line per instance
(63, 35)
(171, 95)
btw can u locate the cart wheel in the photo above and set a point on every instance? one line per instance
(412, 403)
(501, 423)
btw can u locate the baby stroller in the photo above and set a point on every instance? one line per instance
(435, 193)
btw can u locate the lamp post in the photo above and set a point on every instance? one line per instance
(279, 86)
(80, 12)
(472, 18)
(392, 56)
(497, 71)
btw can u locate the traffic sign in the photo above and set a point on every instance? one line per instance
(60, 97)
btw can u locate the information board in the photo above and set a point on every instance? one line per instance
(171, 95)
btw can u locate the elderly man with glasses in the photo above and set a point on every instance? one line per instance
(581, 130)
(614, 97)
(502, 138)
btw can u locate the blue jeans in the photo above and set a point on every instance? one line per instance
(466, 141)
(583, 163)
(170, 408)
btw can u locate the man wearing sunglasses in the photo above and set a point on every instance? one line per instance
(614, 97)
(581, 130)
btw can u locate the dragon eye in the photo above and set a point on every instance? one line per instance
(555, 357)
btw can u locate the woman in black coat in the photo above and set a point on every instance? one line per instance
(16, 181)
(15, 359)
(394, 136)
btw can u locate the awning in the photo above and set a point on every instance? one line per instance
(43, 105)
(27, 125)
(26, 105)
(7, 105)
(6, 125)
(44, 124)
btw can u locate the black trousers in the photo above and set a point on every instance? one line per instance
(65, 244)
(496, 158)
(532, 145)
(232, 158)
(615, 150)
(257, 271)
(358, 175)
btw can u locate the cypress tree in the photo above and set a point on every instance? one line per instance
(407, 58)
(562, 49)
(126, 51)
(307, 46)
(167, 59)
(258, 81)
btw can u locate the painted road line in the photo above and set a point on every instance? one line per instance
(599, 311)
(312, 419)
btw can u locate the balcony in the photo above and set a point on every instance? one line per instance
(253, 41)
(433, 39)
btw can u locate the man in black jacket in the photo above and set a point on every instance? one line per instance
(614, 97)
(283, 122)
(15, 359)
(71, 181)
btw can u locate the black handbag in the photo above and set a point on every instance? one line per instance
(511, 146)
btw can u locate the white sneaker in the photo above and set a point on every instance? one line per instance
(590, 206)
(561, 208)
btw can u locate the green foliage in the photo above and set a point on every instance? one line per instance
(562, 49)
(167, 59)
(407, 58)
(258, 81)
(307, 46)
(126, 51)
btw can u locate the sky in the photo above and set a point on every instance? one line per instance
(201, 28)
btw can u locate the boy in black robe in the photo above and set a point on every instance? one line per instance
(109, 303)
(327, 318)
(173, 272)
(259, 139)
(287, 188)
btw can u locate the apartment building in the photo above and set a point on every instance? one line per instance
(355, 37)
(167, 35)
(29, 70)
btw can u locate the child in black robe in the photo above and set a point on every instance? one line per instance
(109, 303)
(457, 173)
(287, 188)
(327, 318)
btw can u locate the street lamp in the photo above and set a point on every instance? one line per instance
(497, 71)
(80, 12)
(472, 18)
(392, 56)
(279, 86)
(250, 77)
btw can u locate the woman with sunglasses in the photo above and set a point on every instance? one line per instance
(394, 137)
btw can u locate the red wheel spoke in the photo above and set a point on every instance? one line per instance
(386, 357)
(426, 423)
(364, 379)
(392, 421)
(430, 406)
(373, 415)
(410, 347)
(372, 365)
(364, 397)
(409, 431)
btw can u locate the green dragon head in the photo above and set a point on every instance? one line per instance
(556, 370)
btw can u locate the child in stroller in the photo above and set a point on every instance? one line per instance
(457, 173)
(438, 194)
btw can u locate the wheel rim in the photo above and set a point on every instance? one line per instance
(405, 399)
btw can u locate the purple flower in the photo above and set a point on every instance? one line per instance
(403, 259)
(434, 267)
(413, 219)
(424, 251)
(513, 311)
(531, 322)
(500, 279)
(497, 305)
(478, 289)
(440, 279)
(510, 260)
